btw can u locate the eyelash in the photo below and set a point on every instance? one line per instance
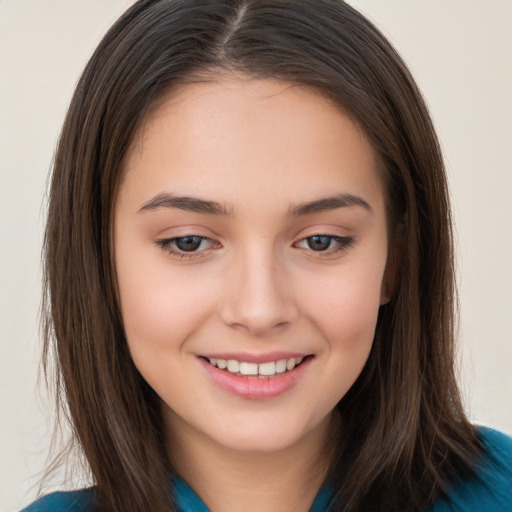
(169, 245)
(343, 243)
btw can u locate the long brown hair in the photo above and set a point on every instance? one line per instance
(405, 435)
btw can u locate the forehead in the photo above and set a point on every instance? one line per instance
(222, 137)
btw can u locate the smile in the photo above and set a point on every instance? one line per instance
(256, 379)
(267, 369)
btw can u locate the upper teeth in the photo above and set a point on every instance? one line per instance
(264, 369)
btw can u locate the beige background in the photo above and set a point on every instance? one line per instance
(460, 52)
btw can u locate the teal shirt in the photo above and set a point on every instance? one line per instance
(186, 498)
(492, 492)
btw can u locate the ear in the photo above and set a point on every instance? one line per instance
(390, 277)
(387, 286)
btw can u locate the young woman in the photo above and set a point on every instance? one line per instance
(249, 272)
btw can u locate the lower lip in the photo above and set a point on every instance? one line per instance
(251, 387)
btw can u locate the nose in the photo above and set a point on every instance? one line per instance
(258, 298)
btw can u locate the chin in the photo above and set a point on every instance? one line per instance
(269, 435)
(261, 442)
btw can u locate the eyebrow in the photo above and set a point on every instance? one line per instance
(197, 205)
(186, 203)
(329, 203)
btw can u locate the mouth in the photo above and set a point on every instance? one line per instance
(256, 380)
(264, 370)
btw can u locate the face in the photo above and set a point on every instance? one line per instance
(250, 246)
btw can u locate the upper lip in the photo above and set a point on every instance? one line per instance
(255, 358)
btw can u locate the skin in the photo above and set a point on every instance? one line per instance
(258, 148)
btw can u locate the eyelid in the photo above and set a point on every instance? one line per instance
(168, 246)
(343, 244)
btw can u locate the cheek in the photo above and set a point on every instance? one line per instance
(161, 311)
(345, 311)
(160, 308)
(345, 308)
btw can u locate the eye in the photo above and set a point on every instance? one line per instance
(325, 243)
(189, 243)
(186, 246)
(319, 242)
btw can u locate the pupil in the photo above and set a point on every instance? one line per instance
(319, 242)
(188, 243)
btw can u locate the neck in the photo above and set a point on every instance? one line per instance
(227, 479)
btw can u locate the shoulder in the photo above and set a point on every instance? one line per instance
(492, 489)
(73, 501)
(498, 445)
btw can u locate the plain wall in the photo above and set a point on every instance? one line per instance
(460, 52)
